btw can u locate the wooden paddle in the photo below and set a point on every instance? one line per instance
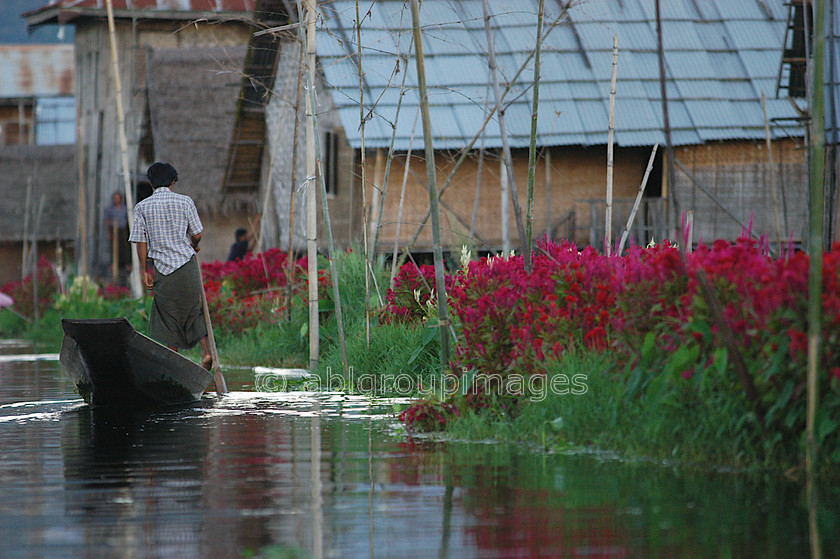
(218, 378)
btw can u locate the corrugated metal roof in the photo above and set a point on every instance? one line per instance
(720, 55)
(61, 11)
(36, 70)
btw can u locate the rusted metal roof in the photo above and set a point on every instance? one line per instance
(62, 11)
(36, 70)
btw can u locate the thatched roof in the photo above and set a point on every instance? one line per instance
(193, 95)
(51, 170)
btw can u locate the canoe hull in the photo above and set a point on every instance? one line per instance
(112, 364)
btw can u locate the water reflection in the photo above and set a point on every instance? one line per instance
(323, 475)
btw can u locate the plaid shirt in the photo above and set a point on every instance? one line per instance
(166, 221)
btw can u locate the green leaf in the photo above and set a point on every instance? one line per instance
(649, 347)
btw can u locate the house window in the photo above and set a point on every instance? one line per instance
(330, 162)
(55, 121)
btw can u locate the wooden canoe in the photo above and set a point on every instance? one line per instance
(112, 364)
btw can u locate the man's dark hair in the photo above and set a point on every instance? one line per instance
(241, 233)
(162, 174)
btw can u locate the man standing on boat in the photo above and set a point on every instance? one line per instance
(167, 231)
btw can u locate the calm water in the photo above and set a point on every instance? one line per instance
(281, 475)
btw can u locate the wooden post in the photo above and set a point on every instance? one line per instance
(532, 151)
(638, 200)
(136, 289)
(311, 192)
(431, 173)
(610, 157)
(506, 156)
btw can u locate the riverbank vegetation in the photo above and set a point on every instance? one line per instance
(621, 352)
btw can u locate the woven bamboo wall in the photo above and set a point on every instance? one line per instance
(738, 175)
(576, 174)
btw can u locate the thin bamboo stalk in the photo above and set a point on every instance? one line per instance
(815, 247)
(27, 210)
(771, 171)
(504, 205)
(610, 154)
(82, 200)
(532, 149)
(311, 192)
(290, 265)
(431, 172)
(465, 151)
(134, 281)
(390, 157)
(477, 198)
(319, 177)
(376, 199)
(114, 251)
(547, 156)
(638, 200)
(669, 146)
(364, 172)
(402, 201)
(506, 156)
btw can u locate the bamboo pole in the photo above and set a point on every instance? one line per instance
(532, 150)
(134, 281)
(402, 201)
(506, 156)
(33, 255)
(364, 172)
(610, 154)
(290, 265)
(547, 155)
(431, 172)
(218, 377)
(319, 177)
(311, 192)
(390, 157)
(376, 199)
(477, 198)
(465, 151)
(81, 256)
(771, 171)
(669, 146)
(114, 252)
(638, 200)
(504, 204)
(27, 210)
(815, 247)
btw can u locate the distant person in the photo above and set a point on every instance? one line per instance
(116, 219)
(240, 246)
(167, 230)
